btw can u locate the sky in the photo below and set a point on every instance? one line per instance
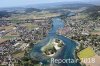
(14, 3)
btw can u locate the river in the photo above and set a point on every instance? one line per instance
(66, 52)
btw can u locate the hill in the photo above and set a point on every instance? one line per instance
(71, 5)
(93, 12)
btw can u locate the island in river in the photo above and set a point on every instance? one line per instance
(66, 52)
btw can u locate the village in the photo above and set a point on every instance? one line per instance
(17, 37)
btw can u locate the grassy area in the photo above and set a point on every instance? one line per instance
(8, 37)
(94, 32)
(37, 65)
(19, 54)
(30, 26)
(33, 15)
(86, 53)
(48, 46)
(14, 20)
(2, 40)
(7, 28)
(83, 15)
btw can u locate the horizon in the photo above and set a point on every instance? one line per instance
(20, 3)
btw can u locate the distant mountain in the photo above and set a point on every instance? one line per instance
(95, 2)
(29, 10)
(76, 5)
(10, 9)
(60, 5)
(71, 5)
(7, 12)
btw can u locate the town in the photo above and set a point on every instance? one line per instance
(31, 36)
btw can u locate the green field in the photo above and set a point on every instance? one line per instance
(86, 53)
(8, 37)
(48, 46)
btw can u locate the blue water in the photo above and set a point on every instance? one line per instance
(66, 52)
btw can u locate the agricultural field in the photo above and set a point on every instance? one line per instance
(19, 54)
(7, 28)
(29, 26)
(96, 31)
(34, 15)
(86, 53)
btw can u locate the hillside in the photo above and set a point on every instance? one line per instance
(71, 5)
(93, 12)
(8, 12)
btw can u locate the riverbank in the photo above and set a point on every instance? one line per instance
(64, 53)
